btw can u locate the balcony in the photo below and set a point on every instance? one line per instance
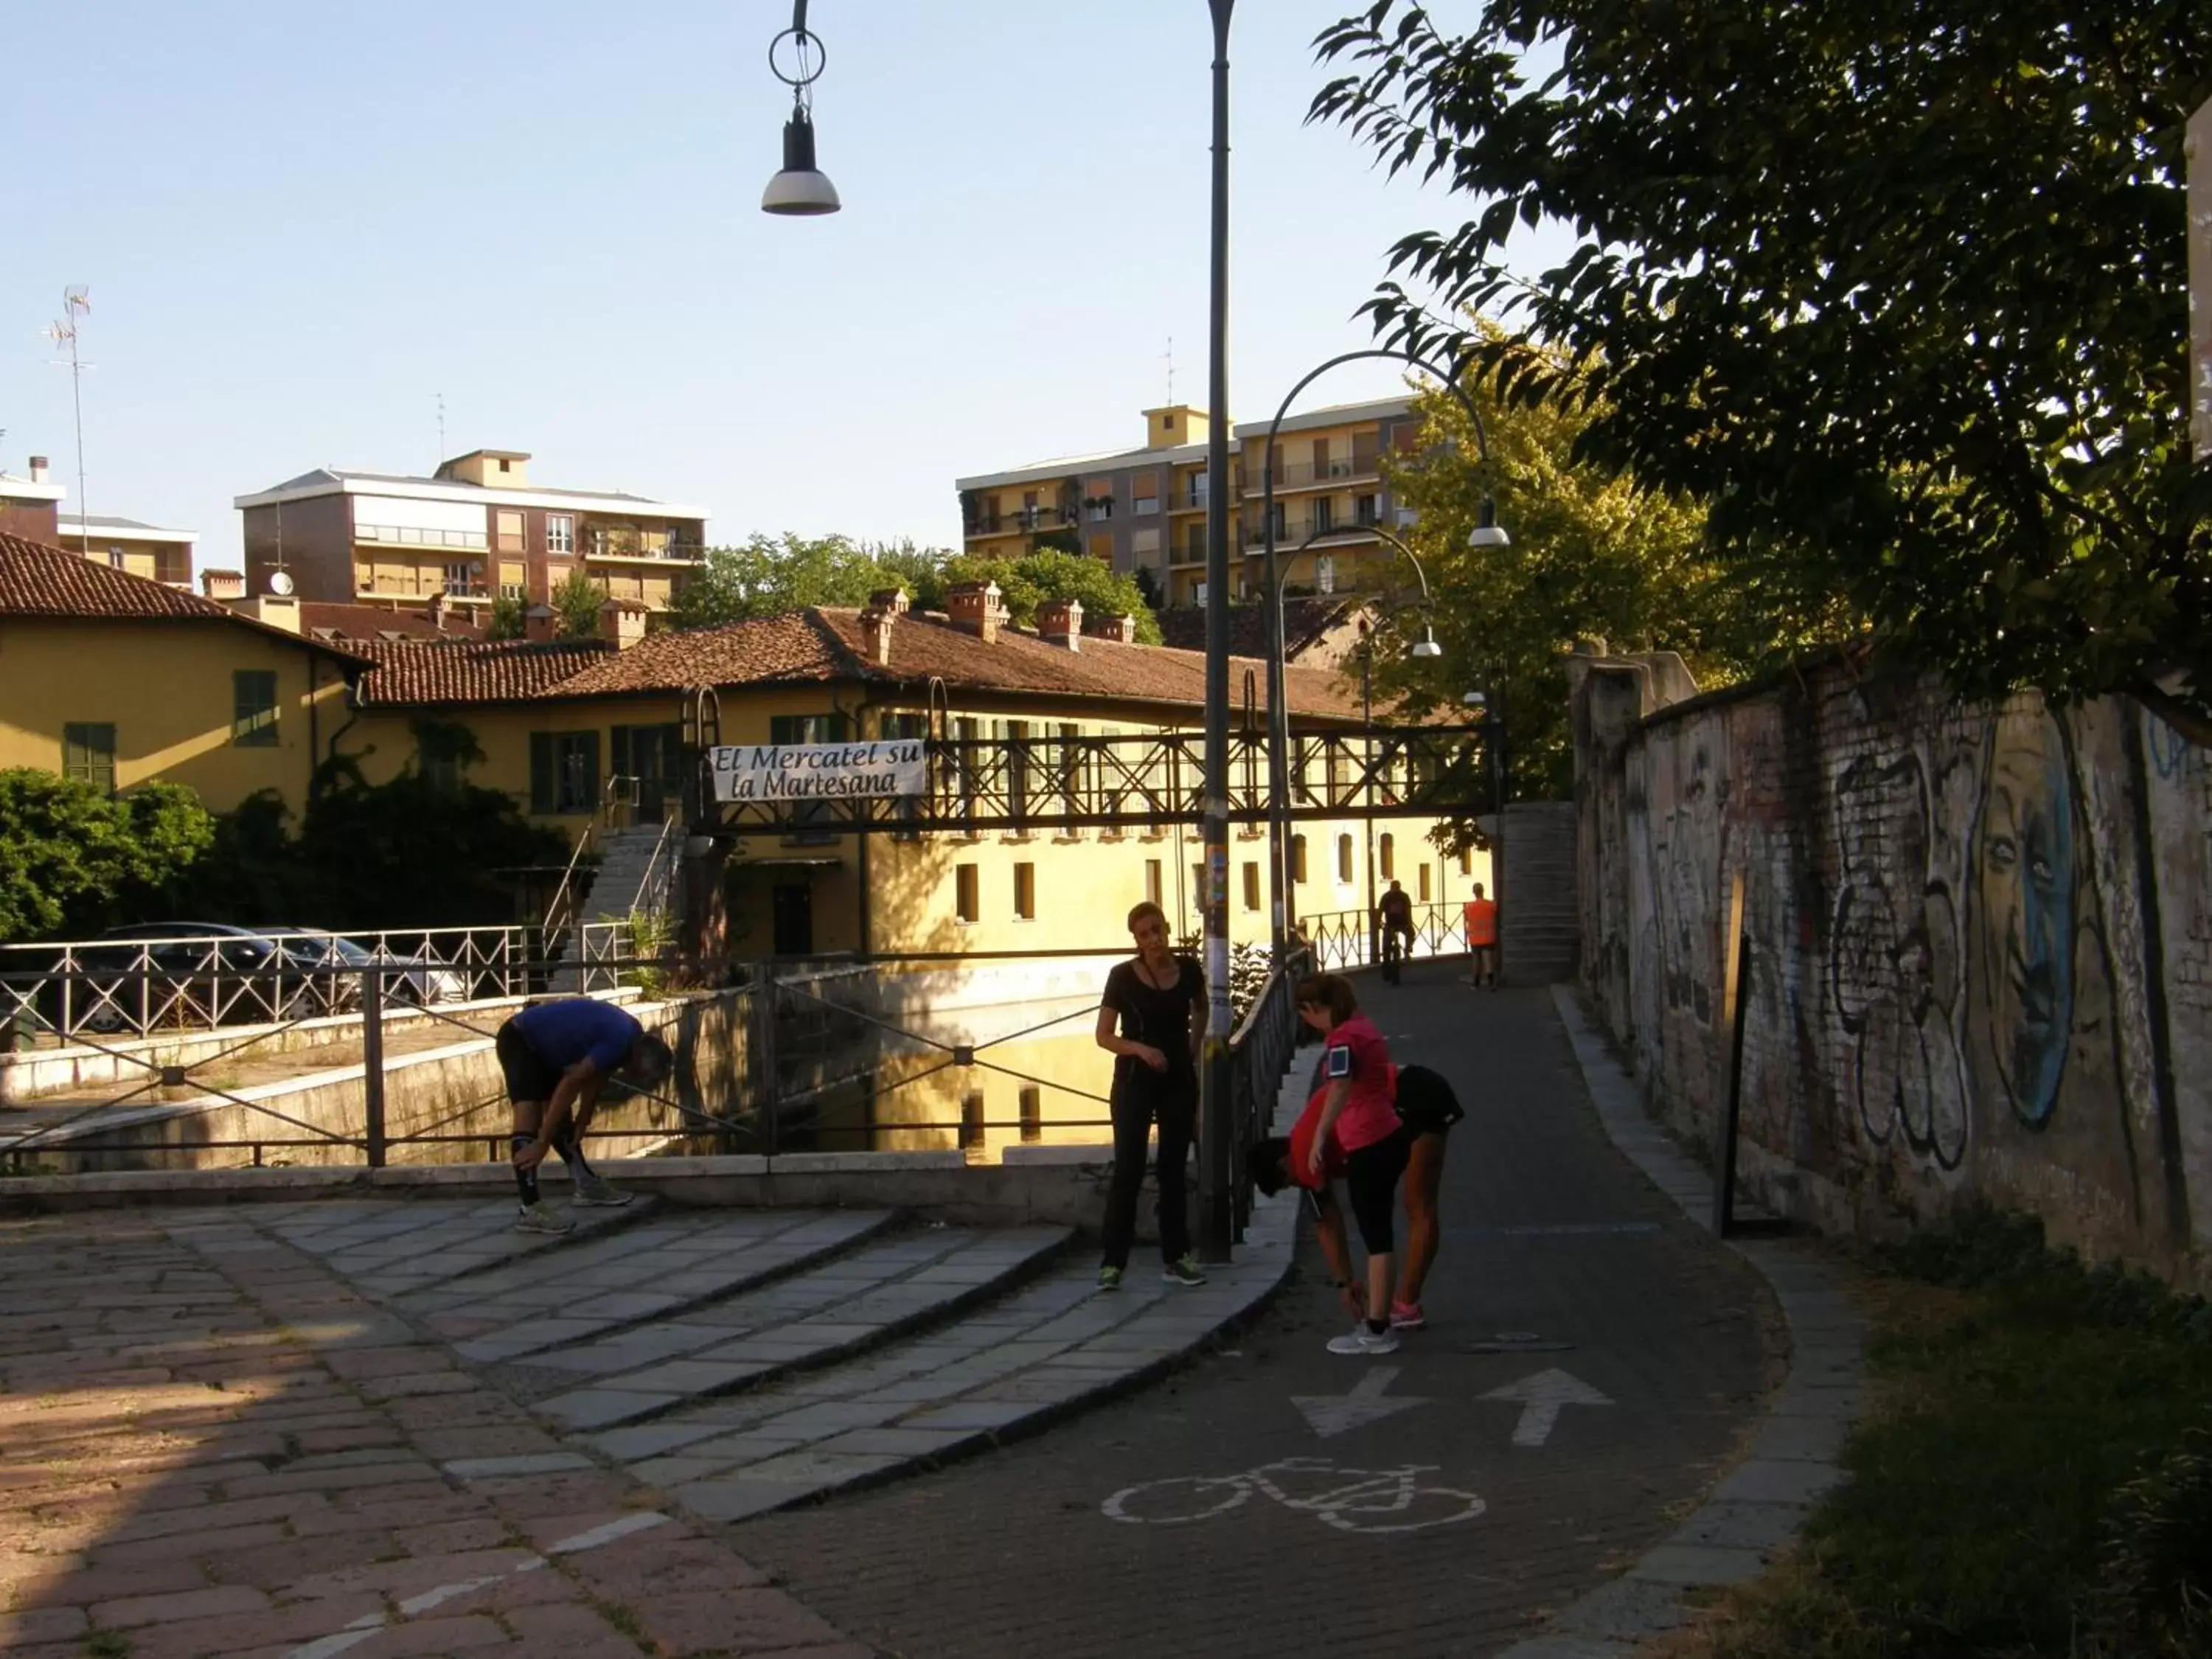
(1294, 531)
(1025, 521)
(1304, 474)
(385, 535)
(422, 585)
(1190, 550)
(630, 547)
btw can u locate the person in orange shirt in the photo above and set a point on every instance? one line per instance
(1482, 939)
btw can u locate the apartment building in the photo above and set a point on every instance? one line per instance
(476, 530)
(31, 507)
(1146, 508)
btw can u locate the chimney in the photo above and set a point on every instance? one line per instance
(37, 469)
(977, 607)
(1060, 623)
(1123, 630)
(891, 601)
(439, 605)
(537, 623)
(876, 623)
(223, 584)
(622, 623)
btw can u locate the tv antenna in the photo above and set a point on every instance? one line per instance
(76, 303)
(1170, 355)
(441, 461)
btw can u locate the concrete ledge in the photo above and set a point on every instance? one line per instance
(1055, 1156)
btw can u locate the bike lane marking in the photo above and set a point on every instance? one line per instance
(1356, 1496)
(1333, 1413)
(1540, 1398)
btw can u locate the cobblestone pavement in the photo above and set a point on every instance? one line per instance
(1121, 1534)
(209, 1444)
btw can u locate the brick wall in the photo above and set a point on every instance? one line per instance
(1981, 947)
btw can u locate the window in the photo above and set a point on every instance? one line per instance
(564, 772)
(1194, 491)
(1344, 859)
(559, 534)
(906, 726)
(510, 590)
(1017, 736)
(1144, 505)
(461, 578)
(1298, 858)
(1251, 885)
(1424, 884)
(1324, 515)
(1099, 508)
(808, 728)
(967, 893)
(88, 755)
(1151, 881)
(253, 709)
(1026, 892)
(1389, 855)
(971, 1122)
(1466, 860)
(1101, 548)
(1367, 509)
(1032, 1114)
(507, 531)
(115, 558)
(1198, 594)
(1325, 573)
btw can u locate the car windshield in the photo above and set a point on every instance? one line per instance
(305, 942)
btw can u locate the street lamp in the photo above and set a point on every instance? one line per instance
(801, 189)
(1488, 533)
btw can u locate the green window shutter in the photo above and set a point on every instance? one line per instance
(785, 728)
(834, 726)
(671, 755)
(88, 754)
(541, 772)
(253, 707)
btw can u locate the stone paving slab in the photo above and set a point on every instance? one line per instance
(794, 1323)
(199, 1457)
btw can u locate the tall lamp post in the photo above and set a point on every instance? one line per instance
(1488, 533)
(801, 187)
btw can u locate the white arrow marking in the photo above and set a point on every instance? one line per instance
(1540, 1397)
(1333, 1413)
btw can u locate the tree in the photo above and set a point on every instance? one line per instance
(1896, 286)
(773, 576)
(72, 856)
(576, 605)
(507, 621)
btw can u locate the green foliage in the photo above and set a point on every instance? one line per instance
(418, 852)
(576, 605)
(1898, 289)
(1593, 556)
(508, 620)
(771, 576)
(73, 858)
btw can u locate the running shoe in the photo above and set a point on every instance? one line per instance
(1360, 1339)
(591, 1189)
(542, 1217)
(1183, 1270)
(1407, 1316)
(1109, 1278)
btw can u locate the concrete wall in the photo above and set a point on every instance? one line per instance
(1981, 947)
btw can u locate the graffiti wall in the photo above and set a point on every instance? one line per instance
(1980, 948)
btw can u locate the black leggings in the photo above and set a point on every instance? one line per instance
(1138, 1101)
(1370, 1180)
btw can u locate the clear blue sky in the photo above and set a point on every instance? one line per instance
(300, 224)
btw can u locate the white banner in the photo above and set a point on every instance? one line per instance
(821, 771)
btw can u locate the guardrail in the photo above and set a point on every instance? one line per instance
(1260, 1055)
(1353, 939)
(168, 984)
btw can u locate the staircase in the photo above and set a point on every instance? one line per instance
(1542, 925)
(636, 875)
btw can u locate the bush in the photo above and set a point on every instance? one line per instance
(74, 858)
(2157, 1558)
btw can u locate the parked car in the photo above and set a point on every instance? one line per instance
(419, 979)
(149, 975)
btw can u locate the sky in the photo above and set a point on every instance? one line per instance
(302, 226)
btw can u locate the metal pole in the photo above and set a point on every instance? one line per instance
(1367, 790)
(1284, 894)
(1498, 796)
(1216, 1097)
(372, 1062)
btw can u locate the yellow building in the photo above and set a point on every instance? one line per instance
(146, 550)
(557, 722)
(1145, 509)
(117, 680)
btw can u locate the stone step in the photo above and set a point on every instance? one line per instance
(680, 1261)
(390, 1247)
(815, 1318)
(1009, 1367)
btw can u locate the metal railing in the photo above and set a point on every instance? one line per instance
(172, 985)
(1336, 467)
(1354, 938)
(1260, 1055)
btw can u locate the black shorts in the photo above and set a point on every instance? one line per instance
(1370, 1180)
(530, 1076)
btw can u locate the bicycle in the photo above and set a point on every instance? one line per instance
(1179, 1500)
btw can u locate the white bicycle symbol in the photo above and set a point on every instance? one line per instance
(1352, 1500)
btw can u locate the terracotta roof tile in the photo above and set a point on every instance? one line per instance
(37, 580)
(370, 622)
(825, 645)
(1306, 623)
(411, 672)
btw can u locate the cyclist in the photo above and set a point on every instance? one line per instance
(1397, 911)
(1349, 1128)
(1158, 1000)
(556, 1057)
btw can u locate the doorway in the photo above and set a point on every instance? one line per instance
(794, 918)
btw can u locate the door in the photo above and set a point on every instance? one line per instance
(794, 918)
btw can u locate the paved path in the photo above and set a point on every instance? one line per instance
(1106, 1538)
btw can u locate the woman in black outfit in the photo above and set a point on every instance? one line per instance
(1156, 999)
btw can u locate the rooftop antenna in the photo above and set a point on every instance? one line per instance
(441, 461)
(1170, 355)
(76, 302)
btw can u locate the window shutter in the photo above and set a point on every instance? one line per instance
(618, 752)
(541, 772)
(588, 743)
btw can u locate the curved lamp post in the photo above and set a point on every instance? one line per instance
(1487, 533)
(801, 188)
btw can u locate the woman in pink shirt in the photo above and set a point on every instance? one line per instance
(1353, 1112)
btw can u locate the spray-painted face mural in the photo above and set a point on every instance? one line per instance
(2025, 902)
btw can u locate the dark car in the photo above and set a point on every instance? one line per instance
(152, 976)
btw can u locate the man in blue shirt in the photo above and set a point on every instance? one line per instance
(557, 1056)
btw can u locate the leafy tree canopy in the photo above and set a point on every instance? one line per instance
(1896, 288)
(508, 620)
(576, 605)
(74, 858)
